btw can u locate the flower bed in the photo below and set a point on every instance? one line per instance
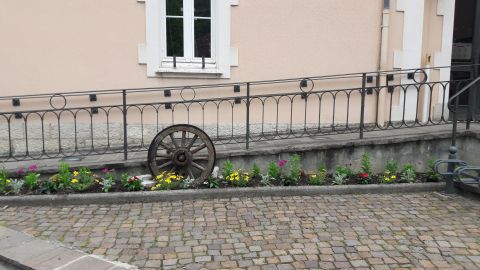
(280, 173)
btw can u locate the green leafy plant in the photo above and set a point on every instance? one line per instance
(133, 183)
(212, 182)
(408, 173)
(109, 179)
(295, 171)
(227, 169)
(391, 166)
(431, 175)
(320, 177)
(32, 177)
(366, 169)
(17, 186)
(274, 170)
(388, 177)
(169, 181)
(82, 179)
(4, 180)
(256, 170)
(64, 176)
(266, 180)
(341, 175)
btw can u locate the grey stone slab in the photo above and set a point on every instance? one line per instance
(88, 262)
(28, 250)
(53, 258)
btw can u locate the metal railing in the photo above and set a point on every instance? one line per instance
(81, 123)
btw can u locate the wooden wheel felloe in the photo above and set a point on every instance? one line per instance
(184, 149)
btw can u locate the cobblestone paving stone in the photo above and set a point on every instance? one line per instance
(410, 231)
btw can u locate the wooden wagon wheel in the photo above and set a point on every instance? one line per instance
(184, 149)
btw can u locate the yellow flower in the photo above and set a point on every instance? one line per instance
(168, 181)
(153, 188)
(74, 181)
(314, 176)
(394, 177)
(75, 173)
(8, 181)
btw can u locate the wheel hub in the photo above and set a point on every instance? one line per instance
(181, 157)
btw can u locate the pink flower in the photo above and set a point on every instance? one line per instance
(282, 163)
(105, 170)
(21, 171)
(33, 168)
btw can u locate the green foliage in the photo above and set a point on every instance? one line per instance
(256, 170)
(274, 171)
(131, 183)
(295, 171)
(227, 169)
(17, 186)
(109, 180)
(266, 180)
(391, 166)
(320, 177)
(64, 176)
(31, 180)
(341, 175)
(4, 179)
(409, 174)
(212, 182)
(366, 165)
(432, 176)
(82, 179)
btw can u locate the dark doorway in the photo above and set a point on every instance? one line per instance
(466, 52)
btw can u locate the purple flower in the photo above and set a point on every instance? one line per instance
(105, 170)
(33, 168)
(282, 163)
(21, 171)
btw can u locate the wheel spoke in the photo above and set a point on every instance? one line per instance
(165, 156)
(198, 148)
(190, 144)
(173, 140)
(201, 158)
(168, 163)
(198, 166)
(190, 173)
(184, 135)
(166, 147)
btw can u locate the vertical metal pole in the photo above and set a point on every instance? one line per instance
(125, 143)
(362, 109)
(450, 187)
(247, 135)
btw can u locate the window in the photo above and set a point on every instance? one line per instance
(188, 38)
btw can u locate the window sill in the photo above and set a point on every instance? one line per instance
(189, 72)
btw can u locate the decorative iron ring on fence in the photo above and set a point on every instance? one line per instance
(305, 81)
(425, 76)
(188, 88)
(64, 101)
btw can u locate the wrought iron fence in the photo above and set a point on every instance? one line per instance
(121, 121)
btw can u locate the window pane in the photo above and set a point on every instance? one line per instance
(202, 38)
(175, 7)
(202, 8)
(175, 37)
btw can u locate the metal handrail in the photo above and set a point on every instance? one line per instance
(464, 89)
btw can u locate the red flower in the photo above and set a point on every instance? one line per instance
(363, 175)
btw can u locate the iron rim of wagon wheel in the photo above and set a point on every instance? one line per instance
(184, 149)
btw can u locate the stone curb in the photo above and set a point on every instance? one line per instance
(22, 251)
(177, 195)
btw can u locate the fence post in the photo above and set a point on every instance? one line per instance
(125, 143)
(247, 135)
(362, 109)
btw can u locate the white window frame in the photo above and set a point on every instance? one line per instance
(155, 50)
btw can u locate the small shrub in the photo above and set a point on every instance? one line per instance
(320, 177)
(32, 177)
(431, 175)
(238, 178)
(212, 182)
(408, 173)
(227, 169)
(64, 176)
(256, 171)
(108, 180)
(341, 175)
(82, 179)
(389, 178)
(266, 180)
(295, 171)
(366, 169)
(391, 166)
(168, 181)
(274, 171)
(4, 179)
(17, 186)
(133, 183)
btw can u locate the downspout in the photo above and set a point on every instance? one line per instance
(383, 60)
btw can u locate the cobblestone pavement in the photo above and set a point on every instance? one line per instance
(407, 231)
